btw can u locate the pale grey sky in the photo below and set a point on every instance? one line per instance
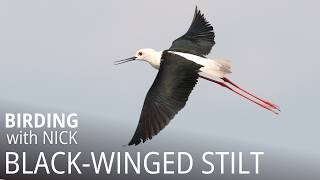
(58, 55)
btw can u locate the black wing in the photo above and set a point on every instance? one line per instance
(198, 40)
(167, 95)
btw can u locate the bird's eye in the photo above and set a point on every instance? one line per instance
(140, 53)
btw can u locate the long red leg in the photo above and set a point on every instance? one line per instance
(266, 102)
(226, 86)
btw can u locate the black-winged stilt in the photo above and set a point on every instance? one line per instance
(179, 69)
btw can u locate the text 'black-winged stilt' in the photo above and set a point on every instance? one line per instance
(179, 67)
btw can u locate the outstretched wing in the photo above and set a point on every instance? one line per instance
(167, 95)
(198, 40)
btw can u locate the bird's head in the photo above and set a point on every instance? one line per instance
(150, 55)
(145, 54)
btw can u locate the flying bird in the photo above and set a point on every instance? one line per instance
(180, 67)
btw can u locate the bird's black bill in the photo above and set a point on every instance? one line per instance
(124, 61)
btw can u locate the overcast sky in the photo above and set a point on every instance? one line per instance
(58, 55)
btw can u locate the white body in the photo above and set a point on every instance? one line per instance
(211, 67)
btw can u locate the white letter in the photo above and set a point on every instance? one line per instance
(27, 117)
(37, 122)
(53, 162)
(232, 163)
(118, 163)
(13, 162)
(45, 165)
(257, 159)
(61, 138)
(102, 158)
(24, 165)
(72, 162)
(166, 162)
(241, 171)
(222, 160)
(179, 163)
(72, 137)
(207, 162)
(157, 164)
(72, 123)
(136, 167)
(10, 123)
(56, 119)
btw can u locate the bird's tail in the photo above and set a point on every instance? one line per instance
(225, 65)
(216, 68)
(249, 96)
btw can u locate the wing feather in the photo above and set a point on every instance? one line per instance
(198, 40)
(167, 96)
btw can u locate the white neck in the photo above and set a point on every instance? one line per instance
(154, 59)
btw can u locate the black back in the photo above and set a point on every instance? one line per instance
(198, 40)
(167, 95)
